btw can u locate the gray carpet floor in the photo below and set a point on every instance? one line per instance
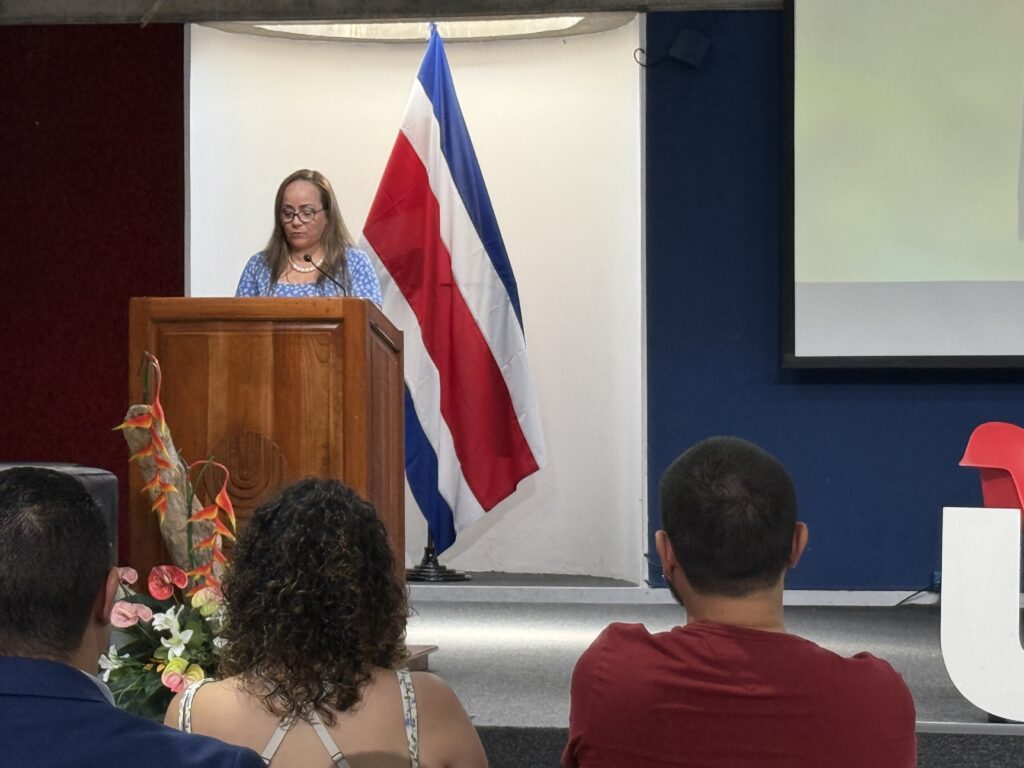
(511, 663)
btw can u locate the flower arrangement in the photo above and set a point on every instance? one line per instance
(169, 631)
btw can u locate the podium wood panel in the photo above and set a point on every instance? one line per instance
(277, 390)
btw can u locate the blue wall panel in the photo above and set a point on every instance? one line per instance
(874, 453)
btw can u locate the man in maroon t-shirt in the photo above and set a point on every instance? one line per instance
(732, 687)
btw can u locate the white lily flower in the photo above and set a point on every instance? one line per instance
(167, 621)
(175, 644)
(109, 661)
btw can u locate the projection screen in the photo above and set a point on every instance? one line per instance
(908, 180)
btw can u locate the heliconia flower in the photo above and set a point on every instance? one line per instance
(158, 409)
(221, 500)
(163, 578)
(162, 462)
(224, 502)
(210, 542)
(159, 446)
(160, 506)
(201, 571)
(147, 451)
(223, 530)
(219, 556)
(199, 576)
(127, 614)
(127, 575)
(160, 485)
(205, 579)
(206, 513)
(142, 421)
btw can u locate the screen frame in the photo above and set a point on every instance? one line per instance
(788, 357)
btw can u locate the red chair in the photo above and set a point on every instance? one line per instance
(996, 449)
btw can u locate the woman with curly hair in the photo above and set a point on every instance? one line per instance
(315, 622)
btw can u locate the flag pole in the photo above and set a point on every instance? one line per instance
(430, 570)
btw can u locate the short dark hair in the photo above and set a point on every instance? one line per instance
(55, 555)
(313, 601)
(729, 509)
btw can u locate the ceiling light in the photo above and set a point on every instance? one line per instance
(462, 30)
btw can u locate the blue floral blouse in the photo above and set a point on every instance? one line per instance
(255, 280)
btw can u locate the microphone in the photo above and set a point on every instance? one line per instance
(316, 266)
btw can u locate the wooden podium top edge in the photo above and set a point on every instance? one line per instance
(248, 307)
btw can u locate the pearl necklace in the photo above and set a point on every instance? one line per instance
(304, 270)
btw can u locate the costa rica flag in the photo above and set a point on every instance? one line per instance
(472, 425)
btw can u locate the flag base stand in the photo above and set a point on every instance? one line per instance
(430, 570)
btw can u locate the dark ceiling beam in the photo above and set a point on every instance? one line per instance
(179, 11)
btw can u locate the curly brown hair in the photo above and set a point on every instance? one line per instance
(312, 601)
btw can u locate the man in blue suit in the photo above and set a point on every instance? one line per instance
(57, 589)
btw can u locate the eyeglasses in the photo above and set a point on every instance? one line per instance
(305, 215)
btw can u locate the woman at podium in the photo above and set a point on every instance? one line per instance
(310, 252)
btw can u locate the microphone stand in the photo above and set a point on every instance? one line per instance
(309, 259)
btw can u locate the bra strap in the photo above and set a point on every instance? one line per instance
(412, 729)
(275, 741)
(185, 705)
(330, 745)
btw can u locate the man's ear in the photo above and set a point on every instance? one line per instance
(666, 554)
(800, 535)
(106, 598)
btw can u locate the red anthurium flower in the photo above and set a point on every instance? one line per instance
(163, 579)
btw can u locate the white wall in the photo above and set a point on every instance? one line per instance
(556, 125)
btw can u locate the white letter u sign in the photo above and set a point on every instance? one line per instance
(981, 607)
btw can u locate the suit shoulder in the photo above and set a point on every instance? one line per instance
(165, 746)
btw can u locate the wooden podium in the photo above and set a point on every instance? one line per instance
(276, 390)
